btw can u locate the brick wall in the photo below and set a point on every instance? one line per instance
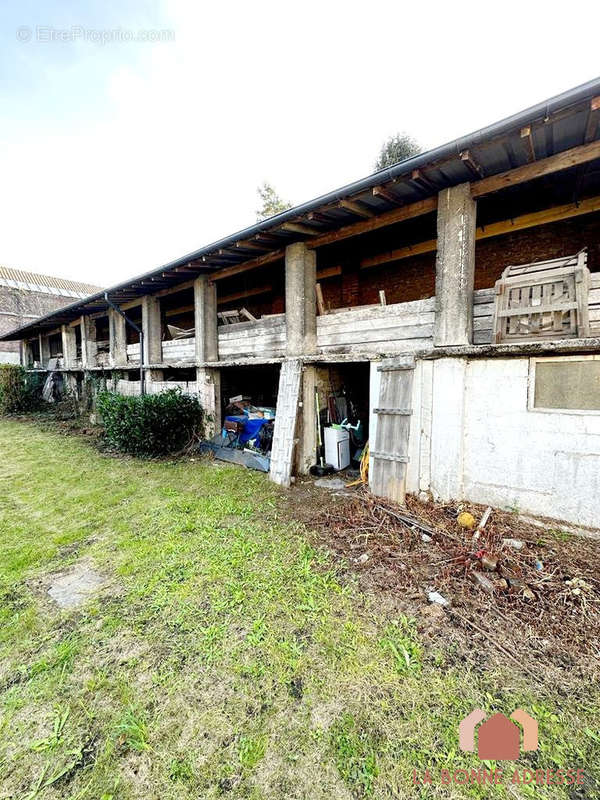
(18, 307)
(537, 244)
(414, 278)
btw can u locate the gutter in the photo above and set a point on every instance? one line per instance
(135, 327)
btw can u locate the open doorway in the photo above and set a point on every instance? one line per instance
(248, 408)
(343, 391)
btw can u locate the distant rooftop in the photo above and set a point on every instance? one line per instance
(46, 284)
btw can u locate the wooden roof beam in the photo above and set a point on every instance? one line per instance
(260, 261)
(299, 227)
(252, 246)
(385, 194)
(532, 220)
(381, 221)
(319, 216)
(423, 181)
(545, 166)
(527, 136)
(592, 121)
(356, 208)
(471, 162)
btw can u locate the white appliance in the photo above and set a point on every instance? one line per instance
(337, 448)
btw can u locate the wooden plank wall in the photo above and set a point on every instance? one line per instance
(179, 350)
(265, 338)
(155, 387)
(399, 327)
(483, 309)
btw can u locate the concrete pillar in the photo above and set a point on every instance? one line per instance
(300, 299)
(44, 350)
(69, 347)
(152, 327)
(455, 266)
(26, 354)
(117, 339)
(205, 312)
(208, 386)
(89, 347)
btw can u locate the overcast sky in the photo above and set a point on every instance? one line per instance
(117, 157)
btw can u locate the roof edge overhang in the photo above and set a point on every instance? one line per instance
(539, 112)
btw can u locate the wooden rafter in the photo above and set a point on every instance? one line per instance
(299, 227)
(386, 194)
(383, 220)
(422, 180)
(356, 208)
(471, 162)
(328, 272)
(527, 137)
(545, 166)
(480, 188)
(260, 261)
(592, 122)
(319, 216)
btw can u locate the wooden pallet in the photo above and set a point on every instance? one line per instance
(543, 300)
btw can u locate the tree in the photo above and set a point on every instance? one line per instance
(397, 148)
(271, 202)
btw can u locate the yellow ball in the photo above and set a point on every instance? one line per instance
(466, 520)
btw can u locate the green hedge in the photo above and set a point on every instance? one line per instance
(152, 425)
(19, 390)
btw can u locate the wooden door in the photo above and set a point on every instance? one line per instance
(389, 457)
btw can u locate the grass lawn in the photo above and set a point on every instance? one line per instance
(225, 657)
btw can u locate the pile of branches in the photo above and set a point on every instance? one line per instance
(508, 579)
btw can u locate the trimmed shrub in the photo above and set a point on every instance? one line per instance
(152, 425)
(19, 390)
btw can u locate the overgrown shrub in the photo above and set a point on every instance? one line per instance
(152, 425)
(19, 390)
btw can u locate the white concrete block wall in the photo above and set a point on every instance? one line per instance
(132, 388)
(543, 462)
(487, 446)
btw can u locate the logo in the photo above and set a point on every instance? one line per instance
(498, 739)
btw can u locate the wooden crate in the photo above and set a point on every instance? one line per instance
(543, 300)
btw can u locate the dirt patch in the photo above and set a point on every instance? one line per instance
(532, 602)
(71, 588)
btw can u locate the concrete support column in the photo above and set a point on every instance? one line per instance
(44, 350)
(455, 266)
(448, 428)
(89, 347)
(152, 327)
(205, 312)
(300, 299)
(69, 347)
(117, 339)
(26, 354)
(208, 386)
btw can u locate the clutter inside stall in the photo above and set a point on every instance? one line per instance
(248, 416)
(342, 425)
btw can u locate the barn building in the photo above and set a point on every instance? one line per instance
(456, 295)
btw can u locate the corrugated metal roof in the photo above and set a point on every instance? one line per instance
(46, 284)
